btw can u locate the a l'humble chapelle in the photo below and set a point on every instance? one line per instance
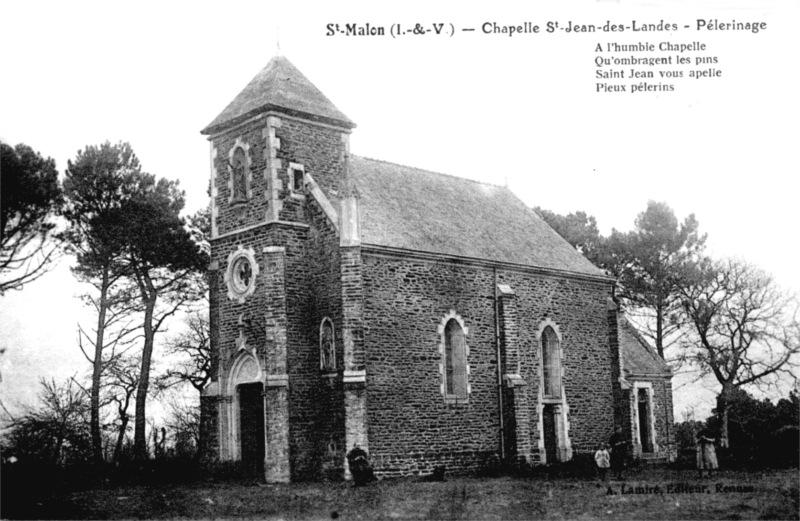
(431, 320)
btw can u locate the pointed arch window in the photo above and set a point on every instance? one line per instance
(455, 360)
(551, 363)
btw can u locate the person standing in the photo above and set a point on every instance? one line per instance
(706, 454)
(618, 444)
(603, 461)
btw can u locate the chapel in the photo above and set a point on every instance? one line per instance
(429, 319)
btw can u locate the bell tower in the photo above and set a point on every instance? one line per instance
(276, 130)
(278, 156)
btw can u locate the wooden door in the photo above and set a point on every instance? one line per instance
(644, 421)
(550, 436)
(251, 425)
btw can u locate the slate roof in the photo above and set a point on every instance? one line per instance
(638, 358)
(413, 209)
(279, 85)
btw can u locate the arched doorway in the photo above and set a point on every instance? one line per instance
(251, 428)
(245, 415)
(643, 416)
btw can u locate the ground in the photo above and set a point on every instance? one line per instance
(760, 495)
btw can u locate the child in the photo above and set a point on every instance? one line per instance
(603, 460)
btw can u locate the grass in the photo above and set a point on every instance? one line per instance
(773, 495)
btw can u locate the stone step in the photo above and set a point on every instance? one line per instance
(654, 458)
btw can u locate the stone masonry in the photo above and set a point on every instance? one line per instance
(320, 243)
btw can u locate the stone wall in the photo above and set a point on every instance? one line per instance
(263, 320)
(324, 417)
(316, 399)
(386, 311)
(230, 217)
(280, 321)
(315, 422)
(577, 307)
(411, 428)
(665, 421)
(209, 432)
(319, 149)
(273, 143)
(622, 395)
(232, 317)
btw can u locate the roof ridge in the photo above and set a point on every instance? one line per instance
(430, 171)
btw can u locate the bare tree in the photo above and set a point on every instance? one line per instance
(54, 432)
(183, 419)
(745, 329)
(120, 388)
(192, 352)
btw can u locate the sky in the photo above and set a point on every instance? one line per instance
(522, 110)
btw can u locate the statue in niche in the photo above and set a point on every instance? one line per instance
(239, 172)
(327, 347)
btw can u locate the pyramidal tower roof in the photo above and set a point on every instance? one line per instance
(279, 86)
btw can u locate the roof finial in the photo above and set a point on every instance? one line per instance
(278, 40)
